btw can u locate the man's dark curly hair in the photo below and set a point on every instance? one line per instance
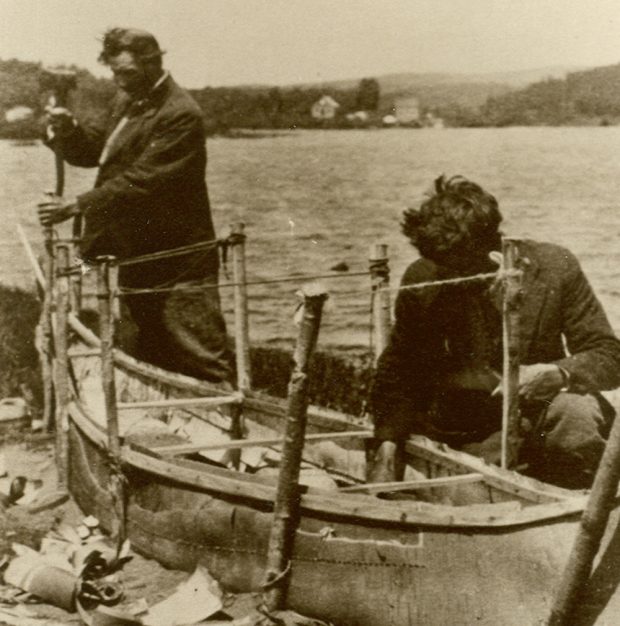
(140, 43)
(459, 219)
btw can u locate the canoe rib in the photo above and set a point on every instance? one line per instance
(235, 444)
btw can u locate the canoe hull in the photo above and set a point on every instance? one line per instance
(342, 572)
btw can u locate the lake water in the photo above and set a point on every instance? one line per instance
(313, 199)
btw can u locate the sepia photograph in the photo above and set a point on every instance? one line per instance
(309, 312)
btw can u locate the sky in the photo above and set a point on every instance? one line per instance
(229, 42)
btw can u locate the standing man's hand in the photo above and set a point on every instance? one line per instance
(54, 210)
(541, 381)
(60, 122)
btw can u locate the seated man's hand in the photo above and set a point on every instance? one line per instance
(54, 210)
(60, 122)
(541, 381)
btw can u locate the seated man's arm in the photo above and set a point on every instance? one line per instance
(594, 361)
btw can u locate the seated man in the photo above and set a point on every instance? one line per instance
(438, 374)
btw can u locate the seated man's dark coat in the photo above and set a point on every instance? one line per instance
(450, 337)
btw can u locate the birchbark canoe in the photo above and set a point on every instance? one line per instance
(467, 543)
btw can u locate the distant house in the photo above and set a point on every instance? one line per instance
(407, 110)
(325, 108)
(18, 114)
(432, 121)
(359, 116)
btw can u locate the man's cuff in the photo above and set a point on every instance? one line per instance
(566, 378)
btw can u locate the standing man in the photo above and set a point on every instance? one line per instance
(150, 195)
(438, 375)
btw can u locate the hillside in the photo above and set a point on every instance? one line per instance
(584, 97)
(404, 82)
(448, 94)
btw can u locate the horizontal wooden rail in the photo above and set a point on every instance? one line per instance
(181, 402)
(84, 353)
(257, 443)
(413, 485)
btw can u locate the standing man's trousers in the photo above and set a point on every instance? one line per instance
(181, 331)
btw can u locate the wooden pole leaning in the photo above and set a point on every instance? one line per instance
(61, 369)
(591, 529)
(511, 359)
(45, 331)
(286, 507)
(381, 311)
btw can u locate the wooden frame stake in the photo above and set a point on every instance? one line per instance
(381, 311)
(510, 346)
(61, 365)
(286, 507)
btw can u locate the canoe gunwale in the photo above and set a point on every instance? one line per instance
(350, 506)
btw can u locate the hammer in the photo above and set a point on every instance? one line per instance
(58, 82)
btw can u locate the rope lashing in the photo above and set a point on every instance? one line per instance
(449, 281)
(433, 283)
(128, 291)
(232, 240)
(168, 254)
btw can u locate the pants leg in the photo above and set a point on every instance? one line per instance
(566, 444)
(196, 329)
(179, 331)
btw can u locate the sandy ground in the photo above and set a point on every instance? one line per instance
(32, 456)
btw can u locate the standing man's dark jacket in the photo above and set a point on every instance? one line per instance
(150, 193)
(451, 336)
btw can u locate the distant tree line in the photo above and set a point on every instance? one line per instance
(587, 97)
(224, 108)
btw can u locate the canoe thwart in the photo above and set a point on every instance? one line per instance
(182, 402)
(84, 353)
(258, 443)
(411, 485)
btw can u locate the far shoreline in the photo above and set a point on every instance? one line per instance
(276, 133)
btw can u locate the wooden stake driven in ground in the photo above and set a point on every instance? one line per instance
(286, 508)
(58, 83)
(75, 282)
(61, 369)
(510, 340)
(106, 334)
(45, 331)
(381, 312)
(242, 333)
(106, 295)
(591, 529)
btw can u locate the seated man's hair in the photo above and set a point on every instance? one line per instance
(459, 219)
(141, 44)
